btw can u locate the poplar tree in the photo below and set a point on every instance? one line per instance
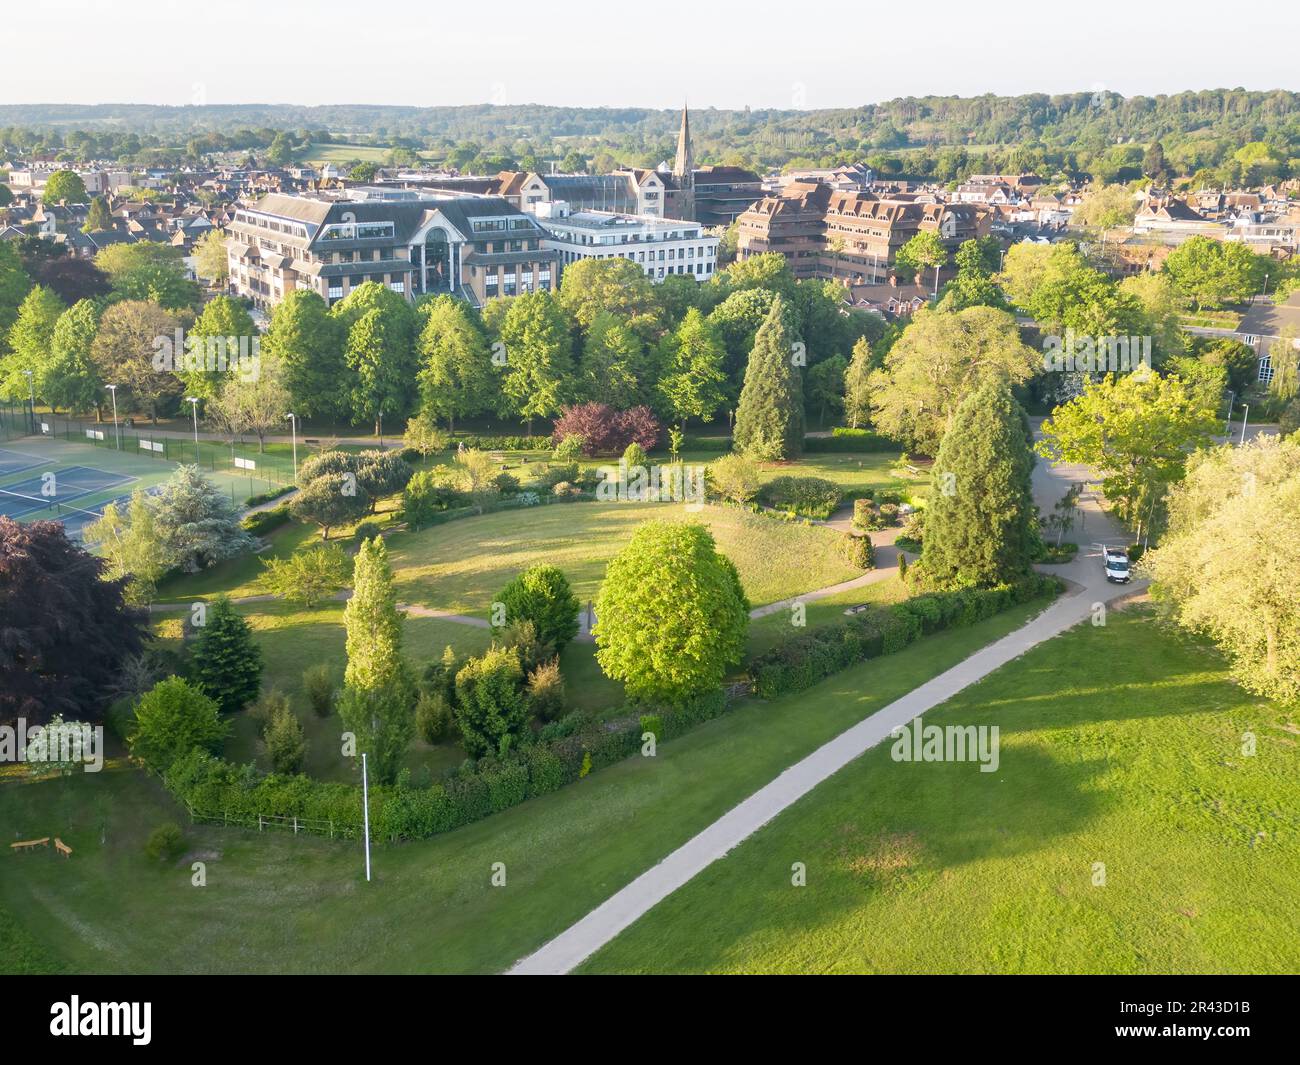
(377, 700)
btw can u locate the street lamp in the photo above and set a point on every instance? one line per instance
(293, 423)
(194, 409)
(117, 433)
(1245, 414)
(1231, 397)
(31, 389)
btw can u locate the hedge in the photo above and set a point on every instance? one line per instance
(858, 551)
(218, 790)
(806, 660)
(266, 497)
(807, 497)
(842, 439)
(504, 443)
(263, 521)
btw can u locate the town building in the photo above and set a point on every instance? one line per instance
(660, 246)
(474, 247)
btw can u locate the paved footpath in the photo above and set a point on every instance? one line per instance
(1088, 586)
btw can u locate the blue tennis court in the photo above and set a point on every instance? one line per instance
(74, 482)
(16, 462)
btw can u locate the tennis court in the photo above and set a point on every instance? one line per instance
(56, 488)
(12, 462)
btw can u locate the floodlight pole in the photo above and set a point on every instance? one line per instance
(117, 433)
(31, 390)
(1231, 398)
(293, 424)
(365, 805)
(1245, 415)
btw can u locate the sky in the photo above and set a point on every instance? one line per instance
(757, 53)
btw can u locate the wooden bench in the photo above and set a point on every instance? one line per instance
(29, 844)
(62, 847)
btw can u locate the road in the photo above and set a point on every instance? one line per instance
(1088, 587)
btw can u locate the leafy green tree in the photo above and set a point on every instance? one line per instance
(129, 540)
(940, 358)
(738, 319)
(825, 388)
(491, 705)
(769, 417)
(1106, 207)
(1284, 357)
(539, 357)
(286, 745)
(308, 341)
(770, 271)
(1226, 566)
(692, 382)
(377, 704)
(226, 663)
(735, 477)
(14, 286)
(857, 382)
(307, 576)
(173, 718)
(923, 252)
(380, 351)
(671, 617)
(616, 286)
(29, 342)
(614, 366)
(541, 594)
(69, 377)
(456, 376)
(211, 261)
(328, 500)
(1139, 429)
(224, 329)
(151, 272)
(65, 186)
(1211, 273)
(981, 526)
(424, 437)
(252, 402)
(124, 353)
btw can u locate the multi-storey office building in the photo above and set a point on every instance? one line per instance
(659, 246)
(470, 246)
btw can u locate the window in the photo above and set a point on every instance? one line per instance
(336, 290)
(1266, 369)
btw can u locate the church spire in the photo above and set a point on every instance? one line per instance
(684, 166)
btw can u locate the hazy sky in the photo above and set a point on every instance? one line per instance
(579, 53)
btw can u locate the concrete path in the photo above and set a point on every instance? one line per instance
(1088, 586)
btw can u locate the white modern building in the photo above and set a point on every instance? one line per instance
(660, 246)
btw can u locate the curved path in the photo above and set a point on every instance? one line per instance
(1087, 586)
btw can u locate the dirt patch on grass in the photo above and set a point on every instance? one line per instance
(883, 857)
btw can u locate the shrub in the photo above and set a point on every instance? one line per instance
(857, 551)
(320, 688)
(173, 718)
(491, 708)
(735, 477)
(546, 691)
(653, 724)
(863, 513)
(541, 594)
(433, 716)
(808, 497)
(889, 513)
(426, 494)
(634, 455)
(227, 661)
(286, 745)
(165, 843)
(308, 575)
(506, 483)
(571, 447)
(367, 530)
(521, 637)
(266, 497)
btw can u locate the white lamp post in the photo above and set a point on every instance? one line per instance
(194, 409)
(365, 805)
(117, 433)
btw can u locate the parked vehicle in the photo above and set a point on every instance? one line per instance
(1115, 560)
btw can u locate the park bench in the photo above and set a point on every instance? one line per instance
(29, 844)
(62, 847)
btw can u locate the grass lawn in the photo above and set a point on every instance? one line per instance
(768, 631)
(279, 903)
(463, 564)
(1120, 745)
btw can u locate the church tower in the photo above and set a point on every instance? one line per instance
(684, 171)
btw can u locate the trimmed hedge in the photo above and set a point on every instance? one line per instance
(850, 440)
(266, 497)
(806, 660)
(216, 789)
(858, 551)
(263, 521)
(504, 443)
(807, 497)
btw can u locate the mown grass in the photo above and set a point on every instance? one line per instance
(278, 903)
(1120, 745)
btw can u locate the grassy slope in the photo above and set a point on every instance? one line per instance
(1119, 745)
(279, 903)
